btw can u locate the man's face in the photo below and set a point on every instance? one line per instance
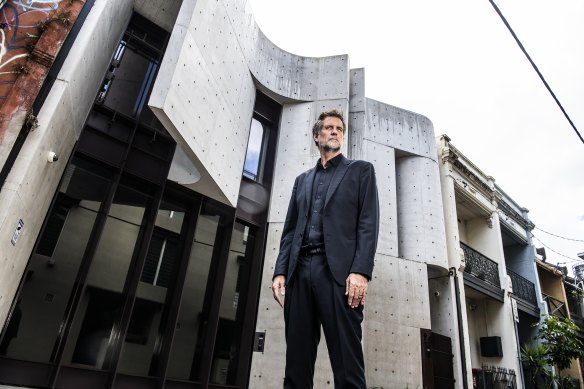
(330, 137)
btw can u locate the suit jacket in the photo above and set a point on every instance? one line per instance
(350, 221)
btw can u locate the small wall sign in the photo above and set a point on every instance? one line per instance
(17, 232)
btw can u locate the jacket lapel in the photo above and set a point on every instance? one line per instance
(308, 187)
(337, 178)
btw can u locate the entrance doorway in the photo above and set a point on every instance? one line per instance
(437, 360)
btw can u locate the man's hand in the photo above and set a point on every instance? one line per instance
(279, 289)
(356, 289)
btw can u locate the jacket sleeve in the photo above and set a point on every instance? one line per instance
(367, 223)
(281, 267)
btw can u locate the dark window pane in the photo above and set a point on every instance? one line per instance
(53, 268)
(232, 308)
(53, 228)
(187, 342)
(157, 283)
(89, 337)
(128, 82)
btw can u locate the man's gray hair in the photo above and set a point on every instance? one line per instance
(318, 124)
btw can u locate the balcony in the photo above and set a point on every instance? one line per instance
(524, 291)
(480, 266)
(481, 273)
(522, 287)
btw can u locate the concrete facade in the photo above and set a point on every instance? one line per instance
(228, 61)
(216, 59)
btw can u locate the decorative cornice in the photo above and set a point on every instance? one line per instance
(476, 180)
(516, 216)
(448, 155)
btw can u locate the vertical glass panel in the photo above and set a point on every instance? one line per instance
(253, 156)
(128, 81)
(101, 303)
(53, 268)
(231, 309)
(143, 338)
(187, 343)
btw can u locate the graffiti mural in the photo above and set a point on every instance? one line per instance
(21, 23)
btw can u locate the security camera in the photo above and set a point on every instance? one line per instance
(52, 157)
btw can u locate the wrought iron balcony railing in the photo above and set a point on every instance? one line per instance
(522, 287)
(555, 306)
(493, 377)
(480, 266)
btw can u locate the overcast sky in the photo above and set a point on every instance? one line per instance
(455, 62)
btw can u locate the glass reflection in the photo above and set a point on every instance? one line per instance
(231, 308)
(143, 338)
(53, 268)
(101, 304)
(186, 345)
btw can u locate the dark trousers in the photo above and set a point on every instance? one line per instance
(314, 299)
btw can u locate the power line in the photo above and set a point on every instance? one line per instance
(536, 69)
(558, 236)
(554, 251)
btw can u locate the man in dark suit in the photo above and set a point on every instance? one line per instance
(326, 259)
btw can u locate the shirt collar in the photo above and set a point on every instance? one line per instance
(334, 162)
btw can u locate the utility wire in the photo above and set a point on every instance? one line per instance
(536, 69)
(558, 236)
(552, 250)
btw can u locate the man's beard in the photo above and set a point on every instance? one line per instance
(328, 148)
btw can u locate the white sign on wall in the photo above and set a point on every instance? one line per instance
(17, 232)
(515, 312)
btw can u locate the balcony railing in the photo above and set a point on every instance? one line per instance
(555, 306)
(480, 266)
(522, 287)
(492, 377)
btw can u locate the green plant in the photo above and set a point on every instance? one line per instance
(31, 122)
(63, 18)
(578, 294)
(567, 382)
(560, 337)
(535, 360)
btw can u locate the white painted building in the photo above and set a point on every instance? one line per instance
(490, 249)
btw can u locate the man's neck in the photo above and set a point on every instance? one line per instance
(326, 156)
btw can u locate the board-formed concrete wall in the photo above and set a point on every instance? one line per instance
(204, 94)
(216, 58)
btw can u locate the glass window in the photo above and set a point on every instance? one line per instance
(101, 304)
(188, 340)
(255, 151)
(157, 280)
(128, 81)
(231, 309)
(53, 268)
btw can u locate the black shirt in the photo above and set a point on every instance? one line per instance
(313, 234)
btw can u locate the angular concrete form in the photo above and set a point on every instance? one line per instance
(204, 93)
